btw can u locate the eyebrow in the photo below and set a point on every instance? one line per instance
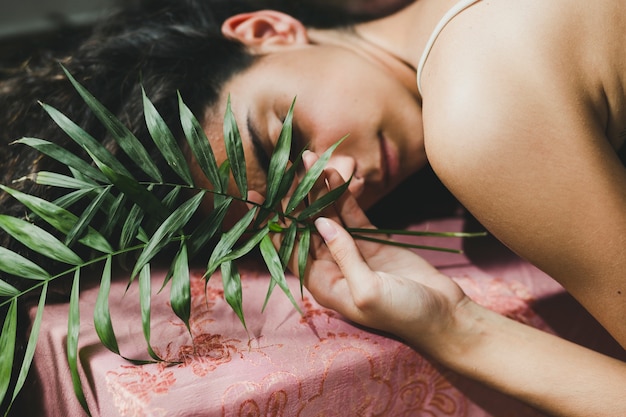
(257, 144)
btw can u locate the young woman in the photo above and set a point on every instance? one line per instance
(519, 109)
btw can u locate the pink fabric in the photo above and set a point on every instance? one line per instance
(317, 364)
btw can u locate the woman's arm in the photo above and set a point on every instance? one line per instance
(394, 290)
(527, 155)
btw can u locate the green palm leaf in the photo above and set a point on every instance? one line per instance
(63, 156)
(122, 135)
(180, 292)
(7, 347)
(231, 281)
(303, 253)
(101, 313)
(38, 240)
(145, 296)
(114, 214)
(82, 225)
(73, 330)
(62, 220)
(54, 179)
(199, 145)
(303, 188)
(227, 241)
(32, 343)
(284, 253)
(279, 160)
(275, 267)
(134, 191)
(85, 140)
(173, 224)
(287, 244)
(164, 140)
(8, 290)
(131, 226)
(234, 150)
(15, 264)
(324, 201)
(208, 228)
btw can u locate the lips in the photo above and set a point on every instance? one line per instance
(389, 161)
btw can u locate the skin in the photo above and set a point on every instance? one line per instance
(523, 128)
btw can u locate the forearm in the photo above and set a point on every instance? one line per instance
(538, 368)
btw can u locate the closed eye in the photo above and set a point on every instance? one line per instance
(260, 152)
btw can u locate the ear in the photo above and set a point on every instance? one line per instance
(265, 30)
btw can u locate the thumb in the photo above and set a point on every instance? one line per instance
(342, 248)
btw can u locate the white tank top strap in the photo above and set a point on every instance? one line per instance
(450, 14)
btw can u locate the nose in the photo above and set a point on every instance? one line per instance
(346, 166)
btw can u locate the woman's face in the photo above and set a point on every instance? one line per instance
(338, 93)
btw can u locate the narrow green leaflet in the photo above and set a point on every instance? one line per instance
(275, 267)
(145, 296)
(208, 227)
(234, 151)
(101, 313)
(227, 241)
(8, 290)
(82, 225)
(32, 343)
(287, 243)
(288, 178)
(280, 158)
(131, 226)
(180, 292)
(15, 264)
(303, 253)
(114, 214)
(165, 141)
(124, 137)
(171, 198)
(54, 179)
(324, 201)
(224, 179)
(61, 219)
(73, 330)
(85, 140)
(173, 224)
(38, 240)
(69, 199)
(80, 176)
(199, 144)
(243, 249)
(303, 188)
(286, 249)
(231, 281)
(7, 347)
(63, 156)
(139, 194)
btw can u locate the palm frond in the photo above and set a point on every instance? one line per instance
(121, 218)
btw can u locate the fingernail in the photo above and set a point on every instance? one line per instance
(325, 229)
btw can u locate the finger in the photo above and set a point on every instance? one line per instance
(320, 187)
(361, 280)
(347, 207)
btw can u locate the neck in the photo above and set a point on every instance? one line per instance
(395, 42)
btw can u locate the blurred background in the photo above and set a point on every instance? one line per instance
(22, 17)
(32, 24)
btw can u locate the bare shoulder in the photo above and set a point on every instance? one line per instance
(520, 138)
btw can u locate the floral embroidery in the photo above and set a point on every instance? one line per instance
(132, 387)
(207, 353)
(276, 395)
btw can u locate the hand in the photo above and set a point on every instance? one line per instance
(376, 285)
